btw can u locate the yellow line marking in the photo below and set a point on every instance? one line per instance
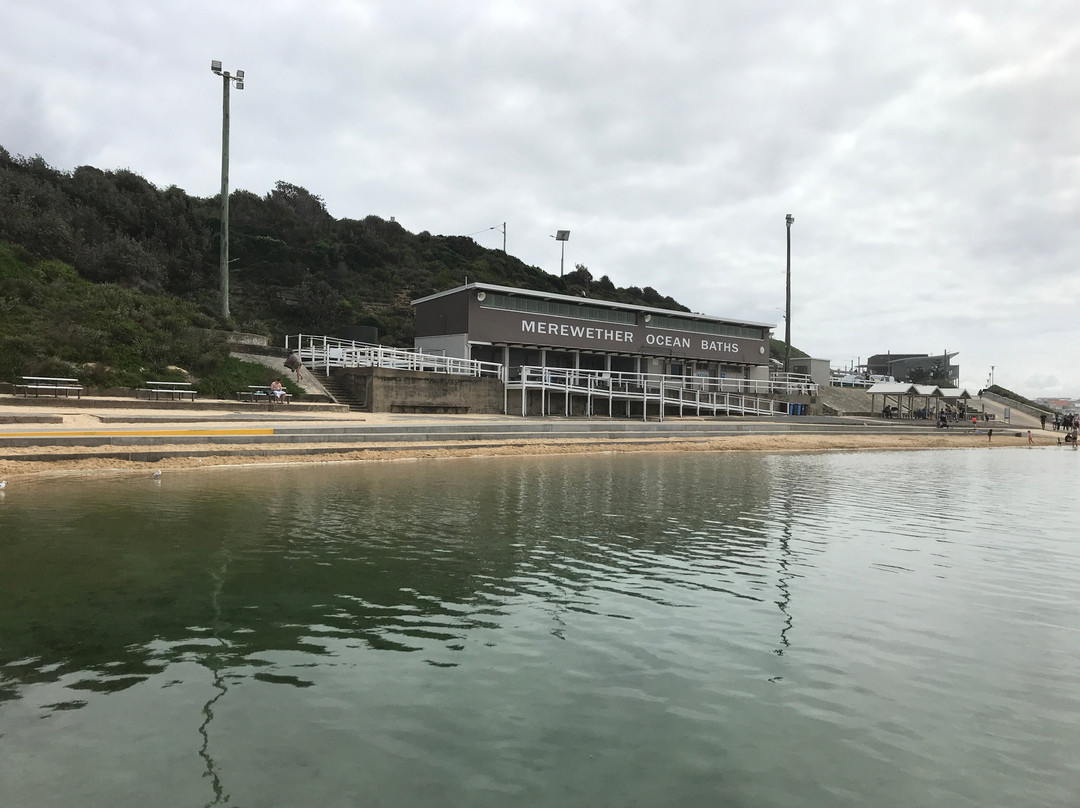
(137, 433)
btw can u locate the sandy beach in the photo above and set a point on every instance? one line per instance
(16, 462)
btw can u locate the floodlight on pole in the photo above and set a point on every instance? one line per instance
(223, 261)
(787, 317)
(563, 236)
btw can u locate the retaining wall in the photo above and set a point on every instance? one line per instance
(386, 390)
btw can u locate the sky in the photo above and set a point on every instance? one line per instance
(929, 151)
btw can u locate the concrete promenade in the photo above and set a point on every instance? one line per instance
(51, 431)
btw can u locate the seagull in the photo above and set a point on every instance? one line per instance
(155, 475)
(3, 484)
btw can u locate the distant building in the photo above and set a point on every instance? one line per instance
(1062, 404)
(901, 366)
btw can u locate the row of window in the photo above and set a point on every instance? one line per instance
(706, 327)
(532, 305)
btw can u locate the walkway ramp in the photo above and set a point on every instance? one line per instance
(845, 401)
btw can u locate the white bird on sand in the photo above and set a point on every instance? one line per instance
(156, 474)
(3, 484)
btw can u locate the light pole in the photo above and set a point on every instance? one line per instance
(223, 263)
(787, 317)
(563, 236)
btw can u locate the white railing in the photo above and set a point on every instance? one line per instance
(853, 380)
(324, 353)
(696, 394)
(792, 384)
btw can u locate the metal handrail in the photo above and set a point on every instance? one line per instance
(694, 392)
(791, 383)
(323, 353)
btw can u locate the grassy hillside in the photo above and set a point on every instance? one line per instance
(54, 323)
(103, 272)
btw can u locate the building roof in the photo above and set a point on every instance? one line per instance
(590, 301)
(954, 392)
(926, 390)
(892, 358)
(894, 389)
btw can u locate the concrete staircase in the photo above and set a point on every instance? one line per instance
(342, 392)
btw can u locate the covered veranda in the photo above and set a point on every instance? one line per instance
(908, 399)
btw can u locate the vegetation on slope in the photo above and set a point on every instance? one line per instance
(1004, 392)
(104, 271)
(54, 323)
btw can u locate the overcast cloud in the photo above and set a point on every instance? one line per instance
(928, 150)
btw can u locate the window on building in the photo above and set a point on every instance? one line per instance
(706, 327)
(555, 308)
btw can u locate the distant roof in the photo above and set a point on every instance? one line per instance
(589, 301)
(891, 358)
(894, 389)
(928, 390)
(954, 392)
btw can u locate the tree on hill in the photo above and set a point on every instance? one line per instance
(295, 267)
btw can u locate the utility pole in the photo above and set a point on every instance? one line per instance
(223, 258)
(787, 317)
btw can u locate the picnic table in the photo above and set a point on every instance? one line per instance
(155, 390)
(49, 384)
(260, 392)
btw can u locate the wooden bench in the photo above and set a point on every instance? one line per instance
(49, 384)
(257, 393)
(155, 390)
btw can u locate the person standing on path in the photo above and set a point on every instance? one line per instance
(1029, 435)
(1042, 418)
(293, 363)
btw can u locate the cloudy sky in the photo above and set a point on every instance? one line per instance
(929, 151)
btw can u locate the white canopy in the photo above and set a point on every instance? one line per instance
(893, 389)
(954, 393)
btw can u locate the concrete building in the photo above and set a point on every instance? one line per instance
(519, 327)
(818, 370)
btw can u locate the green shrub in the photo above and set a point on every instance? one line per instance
(231, 375)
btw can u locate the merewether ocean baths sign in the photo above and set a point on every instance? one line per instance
(622, 338)
(593, 334)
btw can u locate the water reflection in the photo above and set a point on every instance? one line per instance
(119, 580)
(491, 627)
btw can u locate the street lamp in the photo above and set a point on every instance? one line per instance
(223, 262)
(563, 236)
(787, 318)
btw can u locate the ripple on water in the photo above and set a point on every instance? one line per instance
(872, 628)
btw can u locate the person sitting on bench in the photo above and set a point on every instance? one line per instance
(277, 392)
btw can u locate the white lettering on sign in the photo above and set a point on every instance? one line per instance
(721, 347)
(577, 331)
(601, 335)
(667, 341)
